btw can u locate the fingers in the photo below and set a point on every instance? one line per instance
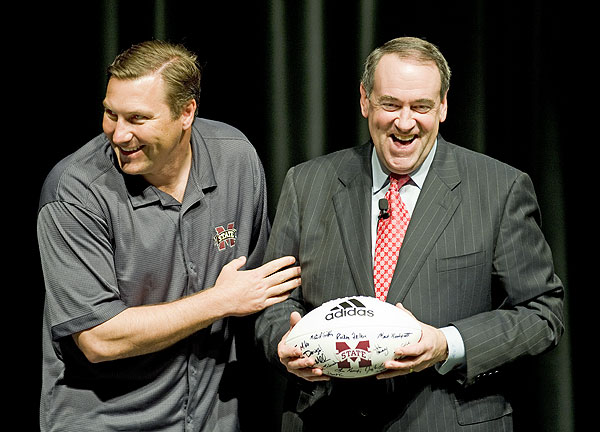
(294, 318)
(283, 275)
(284, 349)
(273, 299)
(419, 356)
(284, 281)
(403, 365)
(412, 350)
(267, 268)
(280, 284)
(271, 272)
(303, 367)
(293, 359)
(287, 353)
(400, 306)
(275, 265)
(236, 263)
(292, 356)
(311, 374)
(391, 373)
(277, 293)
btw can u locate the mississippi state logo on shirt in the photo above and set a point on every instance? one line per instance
(225, 236)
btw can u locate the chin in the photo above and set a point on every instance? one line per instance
(402, 168)
(132, 170)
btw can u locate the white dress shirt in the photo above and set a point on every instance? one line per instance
(409, 194)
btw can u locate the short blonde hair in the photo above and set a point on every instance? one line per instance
(177, 66)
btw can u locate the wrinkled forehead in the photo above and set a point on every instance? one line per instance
(395, 76)
(133, 94)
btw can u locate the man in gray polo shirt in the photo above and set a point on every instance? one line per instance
(144, 234)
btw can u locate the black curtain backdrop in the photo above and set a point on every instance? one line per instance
(287, 74)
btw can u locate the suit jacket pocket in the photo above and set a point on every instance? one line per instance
(477, 408)
(461, 261)
(484, 401)
(465, 281)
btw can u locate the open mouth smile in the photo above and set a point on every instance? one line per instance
(129, 152)
(403, 139)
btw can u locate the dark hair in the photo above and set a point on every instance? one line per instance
(407, 47)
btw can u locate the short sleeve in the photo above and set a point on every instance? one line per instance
(77, 261)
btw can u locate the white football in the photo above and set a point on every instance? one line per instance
(352, 337)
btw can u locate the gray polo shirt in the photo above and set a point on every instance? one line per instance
(109, 241)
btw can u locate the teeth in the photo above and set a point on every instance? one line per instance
(131, 150)
(404, 138)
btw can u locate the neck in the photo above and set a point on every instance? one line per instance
(176, 187)
(174, 176)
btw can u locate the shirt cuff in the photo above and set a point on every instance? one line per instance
(456, 350)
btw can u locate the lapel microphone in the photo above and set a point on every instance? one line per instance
(383, 209)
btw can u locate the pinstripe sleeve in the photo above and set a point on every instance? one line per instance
(273, 322)
(529, 321)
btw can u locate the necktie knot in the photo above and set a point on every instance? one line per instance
(398, 180)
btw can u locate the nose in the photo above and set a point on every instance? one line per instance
(117, 130)
(404, 121)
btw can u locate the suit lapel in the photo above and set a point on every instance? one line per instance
(437, 202)
(352, 204)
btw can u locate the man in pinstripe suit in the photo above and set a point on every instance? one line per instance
(474, 267)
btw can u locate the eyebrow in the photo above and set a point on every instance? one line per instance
(106, 106)
(387, 98)
(128, 113)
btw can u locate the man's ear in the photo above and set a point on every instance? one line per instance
(188, 114)
(444, 108)
(364, 102)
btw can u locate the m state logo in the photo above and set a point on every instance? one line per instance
(345, 354)
(225, 236)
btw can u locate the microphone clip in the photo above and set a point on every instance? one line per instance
(383, 209)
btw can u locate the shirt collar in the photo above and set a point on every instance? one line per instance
(201, 177)
(381, 173)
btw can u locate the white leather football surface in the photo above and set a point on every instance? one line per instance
(352, 337)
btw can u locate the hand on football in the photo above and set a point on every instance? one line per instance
(294, 361)
(432, 348)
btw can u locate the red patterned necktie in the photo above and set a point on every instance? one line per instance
(390, 234)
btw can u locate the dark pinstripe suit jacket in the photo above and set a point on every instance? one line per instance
(473, 257)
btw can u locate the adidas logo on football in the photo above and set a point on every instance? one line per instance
(351, 307)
